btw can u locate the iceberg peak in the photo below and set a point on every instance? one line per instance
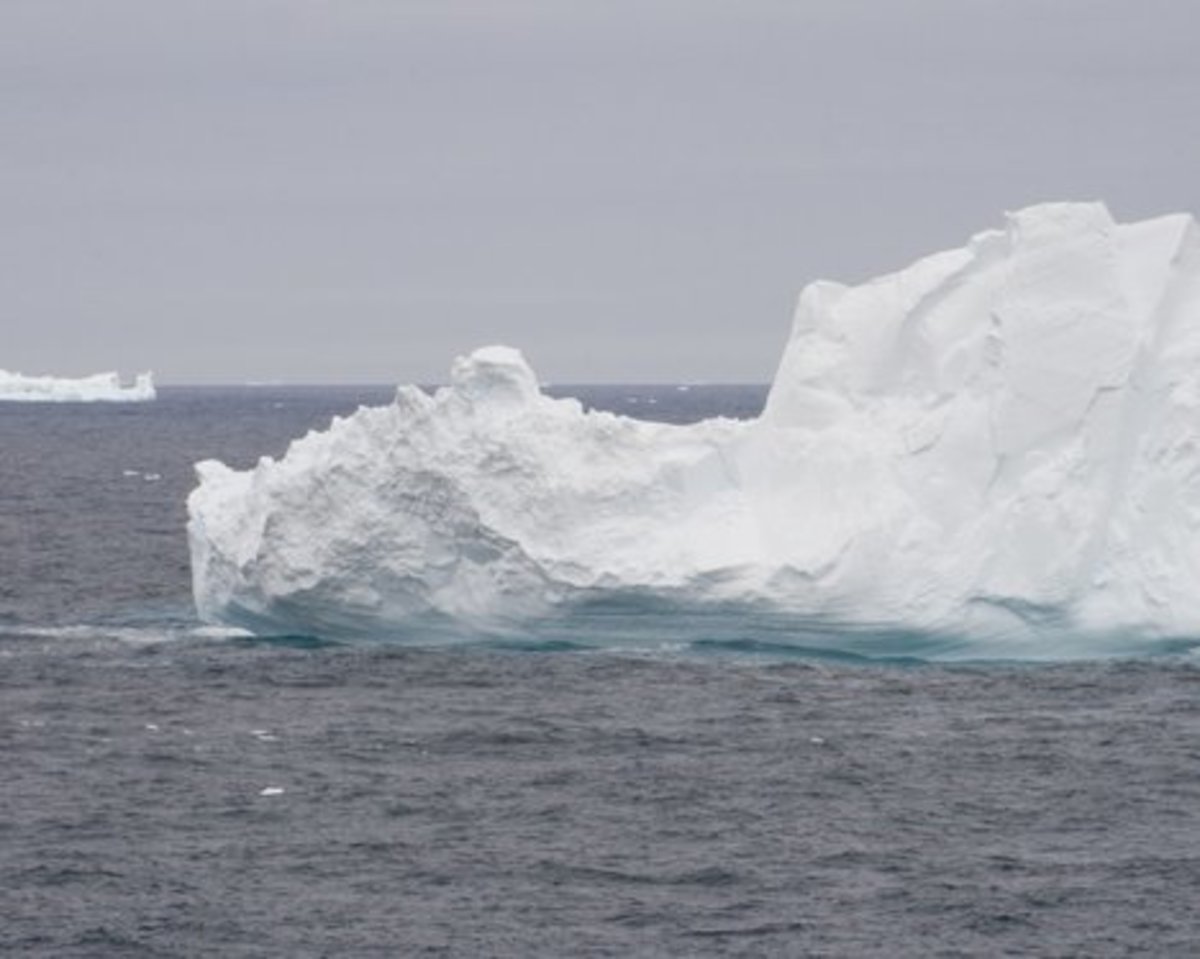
(494, 375)
(1052, 222)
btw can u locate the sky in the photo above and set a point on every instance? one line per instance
(356, 191)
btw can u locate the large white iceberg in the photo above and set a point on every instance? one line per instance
(993, 452)
(100, 387)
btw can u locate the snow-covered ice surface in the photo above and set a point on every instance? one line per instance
(101, 387)
(994, 452)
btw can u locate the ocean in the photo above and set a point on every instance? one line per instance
(173, 791)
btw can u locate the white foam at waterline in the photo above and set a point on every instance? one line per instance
(135, 635)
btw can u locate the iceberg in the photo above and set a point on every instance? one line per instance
(993, 452)
(100, 387)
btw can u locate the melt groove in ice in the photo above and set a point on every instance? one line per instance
(999, 445)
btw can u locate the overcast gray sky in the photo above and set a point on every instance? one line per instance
(628, 190)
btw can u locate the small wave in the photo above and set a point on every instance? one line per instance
(131, 635)
(532, 645)
(776, 650)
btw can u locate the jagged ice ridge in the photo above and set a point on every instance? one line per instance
(995, 451)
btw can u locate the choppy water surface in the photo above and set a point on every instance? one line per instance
(167, 793)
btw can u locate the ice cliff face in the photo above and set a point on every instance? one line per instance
(998, 447)
(102, 387)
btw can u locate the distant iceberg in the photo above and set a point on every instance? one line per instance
(995, 451)
(100, 388)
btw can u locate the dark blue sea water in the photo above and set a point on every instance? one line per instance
(170, 792)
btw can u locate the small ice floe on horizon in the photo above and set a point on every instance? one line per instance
(264, 735)
(131, 473)
(152, 727)
(152, 477)
(98, 388)
(271, 791)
